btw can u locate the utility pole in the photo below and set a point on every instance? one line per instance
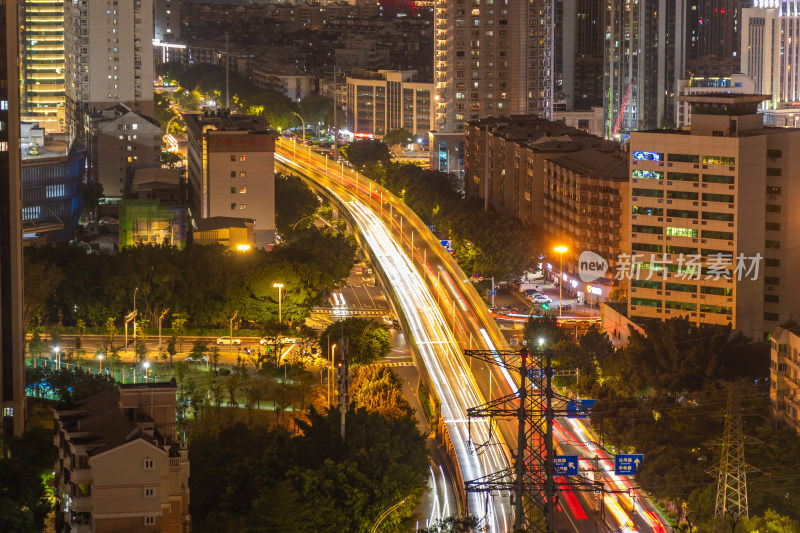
(335, 105)
(531, 479)
(732, 469)
(227, 67)
(344, 386)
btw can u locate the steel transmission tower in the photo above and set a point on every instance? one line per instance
(531, 478)
(732, 469)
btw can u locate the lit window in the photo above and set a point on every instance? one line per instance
(242, 158)
(242, 206)
(242, 190)
(243, 174)
(8, 411)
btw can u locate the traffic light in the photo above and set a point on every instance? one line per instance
(545, 306)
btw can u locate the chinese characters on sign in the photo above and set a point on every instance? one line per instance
(689, 267)
(628, 464)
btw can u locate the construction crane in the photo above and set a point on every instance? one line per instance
(622, 108)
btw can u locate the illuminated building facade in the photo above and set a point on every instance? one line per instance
(42, 63)
(717, 195)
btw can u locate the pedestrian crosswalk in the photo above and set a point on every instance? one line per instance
(350, 312)
(395, 363)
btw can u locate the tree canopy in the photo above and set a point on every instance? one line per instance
(362, 153)
(294, 203)
(367, 340)
(256, 479)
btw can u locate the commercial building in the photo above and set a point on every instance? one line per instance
(713, 218)
(379, 102)
(231, 160)
(42, 63)
(644, 54)
(118, 139)
(784, 375)
(235, 233)
(12, 341)
(733, 84)
(586, 199)
(52, 187)
(120, 465)
(154, 211)
(292, 83)
(489, 60)
(505, 161)
(109, 57)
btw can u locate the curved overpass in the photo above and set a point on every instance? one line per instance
(442, 315)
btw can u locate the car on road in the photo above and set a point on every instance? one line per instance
(270, 340)
(228, 340)
(541, 298)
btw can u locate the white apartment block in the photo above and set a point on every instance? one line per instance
(378, 103)
(771, 49)
(231, 160)
(293, 85)
(784, 375)
(108, 55)
(704, 197)
(120, 464)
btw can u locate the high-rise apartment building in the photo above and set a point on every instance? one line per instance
(712, 37)
(379, 102)
(231, 160)
(579, 45)
(109, 57)
(714, 218)
(167, 20)
(489, 60)
(644, 54)
(12, 374)
(42, 63)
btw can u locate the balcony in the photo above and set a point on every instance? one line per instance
(82, 476)
(82, 504)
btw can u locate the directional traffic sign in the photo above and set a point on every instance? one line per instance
(448, 245)
(566, 465)
(492, 292)
(627, 464)
(579, 408)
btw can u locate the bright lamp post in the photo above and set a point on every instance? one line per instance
(146, 370)
(100, 358)
(279, 286)
(560, 250)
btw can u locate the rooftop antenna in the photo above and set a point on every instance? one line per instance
(227, 62)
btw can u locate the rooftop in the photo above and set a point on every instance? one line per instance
(595, 164)
(223, 120)
(214, 223)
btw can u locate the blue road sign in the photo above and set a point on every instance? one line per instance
(579, 408)
(627, 464)
(565, 465)
(492, 292)
(448, 245)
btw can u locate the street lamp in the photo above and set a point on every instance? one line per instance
(560, 249)
(58, 357)
(472, 244)
(295, 113)
(146, 370)
(100, 358)
(134, 322)
(279, 286)
(541, 342)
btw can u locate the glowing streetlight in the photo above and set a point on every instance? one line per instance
(243, 247)
(560, 249)
(279, 286)
(58, 357)
(100, 358)
(146, 370)
(541, 342)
